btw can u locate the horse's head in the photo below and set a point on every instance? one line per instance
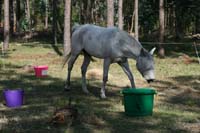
(145, 64)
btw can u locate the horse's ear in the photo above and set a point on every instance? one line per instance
(152, 51)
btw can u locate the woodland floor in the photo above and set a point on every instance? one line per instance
(176, 105)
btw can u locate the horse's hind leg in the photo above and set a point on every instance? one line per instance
(84, 67)
(72, 59)
(106, 65)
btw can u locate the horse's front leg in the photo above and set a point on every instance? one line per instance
(126, 69)
(106, 65)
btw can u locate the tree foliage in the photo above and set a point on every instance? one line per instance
(182, 17)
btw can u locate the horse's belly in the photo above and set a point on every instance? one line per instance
(97, 44)
(94, 50)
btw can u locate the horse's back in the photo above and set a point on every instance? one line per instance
(104, 42)
(95, 40)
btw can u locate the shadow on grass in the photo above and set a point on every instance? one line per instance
(191, 95)
(181, 90)
(6, 54)
(159, 122)
(44, 95)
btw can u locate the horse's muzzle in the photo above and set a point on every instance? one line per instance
(150, 80)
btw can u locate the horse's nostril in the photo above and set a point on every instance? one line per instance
(150, 80)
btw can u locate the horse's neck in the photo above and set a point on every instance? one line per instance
(135, 49)
(136, 54)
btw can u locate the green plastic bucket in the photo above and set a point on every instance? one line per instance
(138, 102)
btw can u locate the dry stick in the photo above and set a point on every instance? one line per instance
(2, 55)
(132, 21)
(196, 51)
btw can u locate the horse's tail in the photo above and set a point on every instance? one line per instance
(65, 60)
(67, 57)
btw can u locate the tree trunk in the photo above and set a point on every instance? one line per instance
(171, 25)
(120, 14)
(67, 27)
(14, 16)
(11, 15)
(18, 13)
(132, 21)
(197, 26)
(88, 11)
(82, 19)
(0, 12)
(54, 22)
(161, 50)
(110, 13)
(6, 25)
(93, 12)
(46, 14)
(136, 20)
(179, 21)
(28, 14)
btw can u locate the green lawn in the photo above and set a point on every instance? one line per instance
(176, 108)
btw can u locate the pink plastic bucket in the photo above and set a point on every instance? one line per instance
(13, 98)
(40, 71)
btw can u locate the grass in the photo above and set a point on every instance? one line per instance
(176, 106)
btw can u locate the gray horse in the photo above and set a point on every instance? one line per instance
(112, 45)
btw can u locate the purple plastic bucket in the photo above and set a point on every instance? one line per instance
(13, 98)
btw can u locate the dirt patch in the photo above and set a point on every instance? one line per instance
(192, 127)
(187, 59)
(27, 69)
(92, 119)
(96, 74)
(57, 61)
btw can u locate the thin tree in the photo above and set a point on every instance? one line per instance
(0, 11)
(18, 15)
(67, 27)
(28, 13)
(86, 11)
(14, 16)
(54, 27)
(161, 50)
(89, 11)
(197, 22)
(46, 14)
(11, 15)
(81, 15)
(110, 13)
(6, 25)
(136, 19)
(120, 14)
(132, 22)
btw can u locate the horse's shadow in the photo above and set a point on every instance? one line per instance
(94, 88)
